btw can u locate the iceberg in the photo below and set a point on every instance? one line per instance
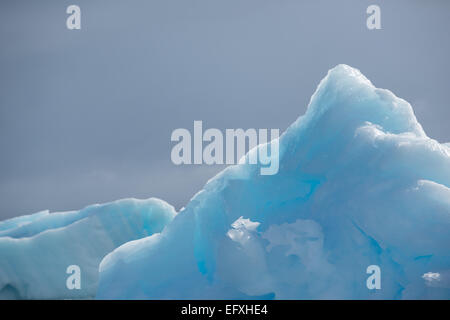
(359, 184)
(36, 250)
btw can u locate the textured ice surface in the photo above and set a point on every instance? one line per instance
(36, 250)
(359, 184)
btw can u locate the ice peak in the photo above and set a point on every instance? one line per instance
(345, 98)
(344, 70)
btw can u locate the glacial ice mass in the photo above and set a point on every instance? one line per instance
(36, 250)
(359, 184)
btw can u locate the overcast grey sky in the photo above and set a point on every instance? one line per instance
(86, 115)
